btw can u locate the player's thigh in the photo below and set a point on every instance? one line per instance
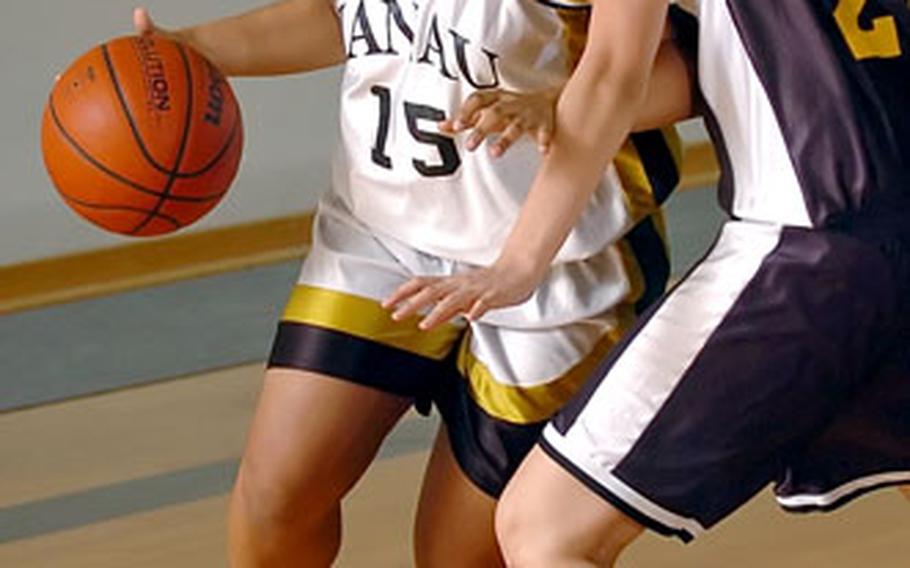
(341, 369)
(547, 512)
(454, 524)
(314, 435)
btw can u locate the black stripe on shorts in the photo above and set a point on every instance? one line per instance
(338, 354)
(488, 450)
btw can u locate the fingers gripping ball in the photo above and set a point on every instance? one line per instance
(142, 136)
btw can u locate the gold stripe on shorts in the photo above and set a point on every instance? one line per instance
(574, 34)
(526, 405)
(366, 318)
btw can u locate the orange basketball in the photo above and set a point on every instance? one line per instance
(142, 136)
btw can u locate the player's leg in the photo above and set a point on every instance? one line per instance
(741, 365)
(509, 382)
(450, 503)
(581, 528)
(449, 499)
(311, 439)
(341, 374)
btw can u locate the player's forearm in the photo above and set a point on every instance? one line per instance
(594, 115)
(586, 138)
(669, 93)
(284, 37)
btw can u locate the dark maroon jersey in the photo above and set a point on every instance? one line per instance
(812, 105)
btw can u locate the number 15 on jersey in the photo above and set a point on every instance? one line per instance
(449, 160)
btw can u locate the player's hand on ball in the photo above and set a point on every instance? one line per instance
(471, 294)
(507, 114)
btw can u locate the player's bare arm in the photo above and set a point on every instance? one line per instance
(597, 109)
(510, 115)
(280, 38)
(594, 115)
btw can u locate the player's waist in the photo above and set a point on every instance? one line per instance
(451, 231)
(474, 242)
(568, 292)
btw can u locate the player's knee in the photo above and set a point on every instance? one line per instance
(530, 536)
(271, 526)
(270, 504)
(518, 536)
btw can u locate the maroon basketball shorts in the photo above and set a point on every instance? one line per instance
(783, 357)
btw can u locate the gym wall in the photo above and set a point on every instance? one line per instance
(290, 125)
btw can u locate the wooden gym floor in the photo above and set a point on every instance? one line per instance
(139, 478)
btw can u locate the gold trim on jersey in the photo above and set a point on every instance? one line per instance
(574, 34)
(367, 319)
(527, 405)
(641, 202)
(632, 263)
(675, 144)
(633, 271)
(632, 173)
(637, 189)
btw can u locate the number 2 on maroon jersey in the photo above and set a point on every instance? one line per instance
(881, 40)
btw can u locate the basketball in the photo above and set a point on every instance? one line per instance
(141, 136)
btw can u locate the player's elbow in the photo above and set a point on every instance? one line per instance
(623, 83)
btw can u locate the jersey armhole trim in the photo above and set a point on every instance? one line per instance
(566, 4)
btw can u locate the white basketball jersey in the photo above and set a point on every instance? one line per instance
(412, 64)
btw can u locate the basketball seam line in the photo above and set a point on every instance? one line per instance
(214, 161)
(137, 136)
(184, 137)
(103, 206)
(122, 179)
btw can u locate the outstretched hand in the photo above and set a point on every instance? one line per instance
(510, 115)
(471, 294)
